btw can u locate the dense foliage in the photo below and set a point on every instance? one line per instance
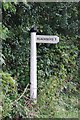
(58, 79)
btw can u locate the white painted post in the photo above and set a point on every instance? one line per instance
(33, 60)
(33, 68)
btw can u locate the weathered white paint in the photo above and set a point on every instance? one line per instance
(33, 61)
(33, 68)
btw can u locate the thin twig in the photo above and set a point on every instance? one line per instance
(21, 94)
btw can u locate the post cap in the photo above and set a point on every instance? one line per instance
(33, 29)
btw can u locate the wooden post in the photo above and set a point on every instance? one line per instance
(33, 68)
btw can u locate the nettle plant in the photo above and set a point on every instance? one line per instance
(8, 86)
(8, 92)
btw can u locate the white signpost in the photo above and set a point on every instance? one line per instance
(33, 61)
